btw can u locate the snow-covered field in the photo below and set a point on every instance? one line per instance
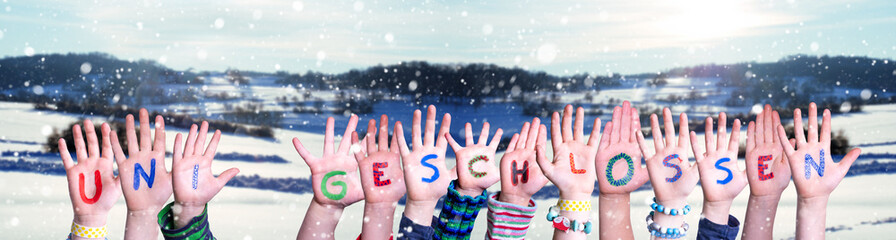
(37, 206)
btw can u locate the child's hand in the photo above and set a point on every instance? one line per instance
(720, 176)
(572, 169)
(815, 173)
(145, 164)
(520, 178)
(334, 175)
(767, 170)
(381, 174)
(425, 173)
(620, 142)
(671, 174)
(92, 186)
(473, 180)
(191, 171)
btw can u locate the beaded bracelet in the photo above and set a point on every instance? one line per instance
(669, 211)
(574, 206)
(88, 232)
(565, 224)
(665, 232)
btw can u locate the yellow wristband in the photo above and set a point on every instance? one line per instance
(574, 206)
(88, 232)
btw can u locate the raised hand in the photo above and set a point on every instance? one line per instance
(572, 168)
(618, 151)
(767, 170)
(336, 167)
(815, 173)
(381, 177)
(721, 179)
(425, 173)
(671, 174)
(520, 178)
(147, 184)
(92, 186)
(191, 171)
(472, 180)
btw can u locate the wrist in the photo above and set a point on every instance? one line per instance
(514, 199)
(90, 220)
(468, 191)
(380, 206)
(420, 212)
(575, 196)
(717, 211)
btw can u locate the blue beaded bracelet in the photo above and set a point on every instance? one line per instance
(665, 232)
(670, 211)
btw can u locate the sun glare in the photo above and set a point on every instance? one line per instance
(709, 19)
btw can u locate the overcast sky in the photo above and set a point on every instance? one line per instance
(559, 37)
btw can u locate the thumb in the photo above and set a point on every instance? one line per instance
(226, 176)
(848, 160)
(453, 172)
(546, 165)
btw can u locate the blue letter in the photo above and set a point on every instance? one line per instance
(819, 167)
(720, 167)
(435, 170)
(138, 171)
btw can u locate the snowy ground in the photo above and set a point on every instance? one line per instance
(33, 203)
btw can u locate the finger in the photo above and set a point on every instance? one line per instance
(80, 149)
(399, 134)
(430, 130)
(178, 149)
(496, 140)
(605, 136)
(452, 174)
(782, 136)
(383, 133)
(734, 143)
(683, 139)
(567, 123)
(793, 143)
(213, 145)
(617, 124)
(328, 137)
(547, 168)
(512, 145)
(191, 141)
(768, 115)
(394, 146)
(847, 161)
(200, 139)
(63, 152)
(454, 145)
(698, 152)
(579, 130)
(524, 135)
(776, 122)
(159, 141)
(445, 127)
(309, 159)
(145, 141)
(226, 176)
(708, 136)
(533, 133)
(93, 145)
(346, 140)
(626, 122)
(116, 148)
(658, 143)
(483, 135)
(556, 132)
(636, 125)
(416, 130)
(542, 135)
(813, 123)
(751, 138)
(107, 141)
(595, 133)
(798, 127)
(370, 136)
(826, 126)
(359, 155)
(468, 134)
(760, 128)
(669, 126)
(642, 144)
(131, 135)
(722, 138)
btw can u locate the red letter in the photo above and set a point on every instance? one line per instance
(763, 167)
(377, 174)
(99, 187)
(572, 166)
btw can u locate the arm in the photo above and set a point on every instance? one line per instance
(814, 183)
(572, 171)
(339, 168)
(511, 210)
(193, 182)
(619, 171)
(671, 174)
(145, 164)
(721, 179)
(91, 201)
(424, 167)
(768, 174)
(381, 177)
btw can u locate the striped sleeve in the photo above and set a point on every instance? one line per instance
(506, 220)
(196, 229)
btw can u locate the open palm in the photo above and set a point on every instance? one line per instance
(469, 176)
(814, 170)
(671, 174)
(520, 178)
(767, 170)
(92, 186)
(572, 168)
(424, 167)
(191, 170)
(721, 179)
(337, 167)
(619, 145)
(380, 164)
(149, 154)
